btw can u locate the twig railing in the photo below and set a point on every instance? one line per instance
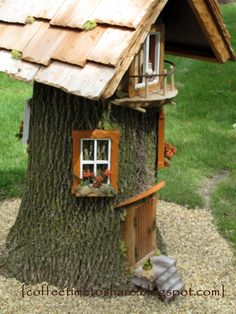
(167, 74)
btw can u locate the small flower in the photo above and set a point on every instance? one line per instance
(169, 154)
(170, 150)
(174, 150)
(99, 179)
(87, 174)
(108, 173)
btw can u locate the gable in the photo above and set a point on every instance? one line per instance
(195, 29)
(183, 33)
(56, 50)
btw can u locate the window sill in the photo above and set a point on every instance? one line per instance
(106, 190)
(150, 84)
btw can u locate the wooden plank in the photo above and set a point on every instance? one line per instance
(145, 238)
(89, 81)
(93, 79)
(128, 236)
(16, 68)
(43, 45)
(142, 195)
(54, 75)
(134, 70)
(17, 36)
(152, 98)
(74, 13)
(117, 40)
(76, 45)
(46, 9)
(161, 140)
(128, 13)
(204, 17)
(153, 243)
(17, 11)
(94, 195)
(217, 16)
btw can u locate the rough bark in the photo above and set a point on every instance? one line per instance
(61, 239)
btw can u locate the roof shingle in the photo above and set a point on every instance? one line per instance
(57, 51)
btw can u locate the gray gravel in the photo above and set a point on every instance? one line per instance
(204, 259)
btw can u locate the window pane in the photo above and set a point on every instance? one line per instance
(101, 169)
(151, 61)
(154, 56)
(88, 150)
(88, 171)
(102, 149)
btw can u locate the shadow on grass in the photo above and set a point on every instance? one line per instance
(11, 184)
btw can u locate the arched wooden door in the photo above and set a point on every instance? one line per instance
(139, 225)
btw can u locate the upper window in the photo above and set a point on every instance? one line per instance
(149, 61)
(95, 162)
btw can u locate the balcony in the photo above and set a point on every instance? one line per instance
(150, 97)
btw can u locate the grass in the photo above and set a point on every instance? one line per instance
(200, 125)
(13, 156)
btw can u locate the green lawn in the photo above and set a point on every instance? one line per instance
(13, 154)
(200, 125)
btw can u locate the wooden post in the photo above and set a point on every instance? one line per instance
(164, 82)
(161, 140)
(146, 86)
(128, 235)
(172, 78)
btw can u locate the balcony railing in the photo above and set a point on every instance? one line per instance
(151, 95)
(167, 82)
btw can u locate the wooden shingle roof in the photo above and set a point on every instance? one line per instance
(56, 50)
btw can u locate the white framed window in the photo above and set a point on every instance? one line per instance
(149, 59)
(95, 156)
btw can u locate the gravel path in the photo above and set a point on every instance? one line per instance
(204, 259)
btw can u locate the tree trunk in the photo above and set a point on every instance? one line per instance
(61, 239)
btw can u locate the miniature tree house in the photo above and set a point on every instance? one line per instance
(96, 129)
